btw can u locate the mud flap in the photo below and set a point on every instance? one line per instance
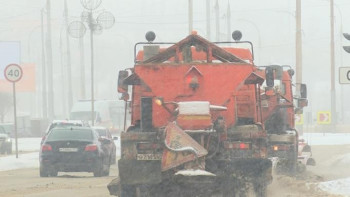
(133, 172)
(114, 187)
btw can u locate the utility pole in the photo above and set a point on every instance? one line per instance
(208, 19)
(49, 62)
(298, 44)
(43, 68)
(69, 66)
(298, 52)
(82, 67)
(333, 101)
(190, 16)
(217, 20)
(228, 21)
(91, 26)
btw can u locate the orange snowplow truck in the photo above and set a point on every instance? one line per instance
(196, 115)
(278, 112)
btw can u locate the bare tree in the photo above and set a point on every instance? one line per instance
(5, 105)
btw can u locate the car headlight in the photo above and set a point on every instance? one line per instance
(8, 140)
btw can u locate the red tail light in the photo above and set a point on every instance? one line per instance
(46, 147)
(91, 147)
(243, 146)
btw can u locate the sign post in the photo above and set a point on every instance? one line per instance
(324, 117)
(13, 73)
(344, 75)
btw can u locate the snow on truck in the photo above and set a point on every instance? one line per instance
(197, 117)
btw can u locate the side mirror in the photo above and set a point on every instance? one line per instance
(104, 140)
(122, 88)
(269, 77)
(303, 90)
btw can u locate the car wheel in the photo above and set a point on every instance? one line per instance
(54, 173)
(99, 169)
(9, 150)
(43, 172)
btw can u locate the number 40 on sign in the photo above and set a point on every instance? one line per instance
(13, 73)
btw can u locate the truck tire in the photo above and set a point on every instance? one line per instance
(260, 189)
(127, 191)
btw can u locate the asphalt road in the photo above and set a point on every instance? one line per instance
(26, 182)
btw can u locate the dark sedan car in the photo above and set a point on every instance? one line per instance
(75, 149)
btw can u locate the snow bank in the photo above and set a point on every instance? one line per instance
(327, 138)
(339, 187)
(29, 160)
(26, 144)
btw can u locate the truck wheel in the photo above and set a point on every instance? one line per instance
(260, 190)
(127, 191)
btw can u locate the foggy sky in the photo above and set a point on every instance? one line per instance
(270, 25)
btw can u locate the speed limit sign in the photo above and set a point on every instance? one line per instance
(13, 72)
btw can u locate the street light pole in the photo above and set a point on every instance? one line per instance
(190, 16)
(43, 68)
(208, 19)
(92, 67)
(51, 105)
(333, 101)
(298, 44)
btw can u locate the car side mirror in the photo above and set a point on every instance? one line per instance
(104, 140)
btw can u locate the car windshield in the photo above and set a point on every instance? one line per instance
(70, 134)
(101, 132)
(64, 125)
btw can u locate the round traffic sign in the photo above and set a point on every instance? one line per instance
(13, 72)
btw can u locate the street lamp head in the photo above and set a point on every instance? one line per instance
(346, 48)
(150, 36)
(90, 4)
(347, 36)
(236, 35)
